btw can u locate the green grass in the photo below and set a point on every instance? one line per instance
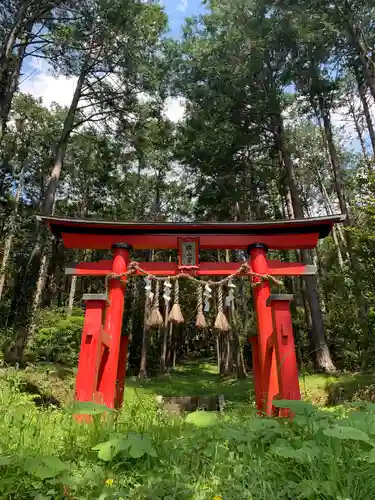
(143, 453)
(196, 379)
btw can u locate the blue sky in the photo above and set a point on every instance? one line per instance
(177, 10)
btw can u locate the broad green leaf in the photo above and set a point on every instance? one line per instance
(55, 463)
(5, 461)
(284, 451)
(136, 450)
(300, 420)
(264, 426)
(88, 408)
(371, 456)
(44, 472)
(356, 404)
(139, 446)
(340, 432)
(296, 406)
(304, 454)
(45, 467)
(135, 444)
(236, 435)
(109, 449)
(202, 418)
(260, 424)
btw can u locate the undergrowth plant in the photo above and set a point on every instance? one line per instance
(143, 453)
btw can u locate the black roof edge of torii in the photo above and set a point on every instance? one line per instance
(60, 224)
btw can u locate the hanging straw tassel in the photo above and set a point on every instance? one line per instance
(175, 316)
(155, 319)
(221, 322)
(201, 320)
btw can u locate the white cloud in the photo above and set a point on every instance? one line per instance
(40, 82)
(183, 5)
(342, 120)
(174, 109)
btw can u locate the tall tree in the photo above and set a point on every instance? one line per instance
(105, 45)
(238, 88)
(22, 22)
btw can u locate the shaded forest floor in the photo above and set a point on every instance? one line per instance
(51, 383)
(142, 452)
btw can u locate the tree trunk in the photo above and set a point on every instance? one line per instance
(12, 231)
(174, 356)
(35, 268)
(72, 292)
(322, 353)
(318, 263)
(9, 76)
(10, 83)
(337, 232)
(169, 345)
(334, 158)
(143, 364)
(48, 203)
(56, 256)
(238, 354)
(228, 354)
(163, 356)
(10, 40)
(218, 353)
(329, 210)
(355, 36)
(365, 106)
(360, 136)
(360, 297)
(37, 298)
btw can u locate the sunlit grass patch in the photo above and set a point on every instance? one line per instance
(144, 453)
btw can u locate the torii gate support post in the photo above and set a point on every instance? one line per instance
(113, 369)
(91, 348)
(283, 341)
(266, 363)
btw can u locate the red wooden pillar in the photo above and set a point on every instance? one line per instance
(257, 375)
(287, 367)
(91, 347)
(113, 369)
(267, 361)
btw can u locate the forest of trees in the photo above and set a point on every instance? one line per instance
(278, 124)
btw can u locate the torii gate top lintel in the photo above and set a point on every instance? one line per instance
(278, 235)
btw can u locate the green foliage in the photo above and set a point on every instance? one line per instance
(132, 445)
(140, 453)
(88, 408)
(45, 467)
(298, 407)
(58, 337)
(346, 433)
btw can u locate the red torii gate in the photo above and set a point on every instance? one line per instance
(103, 355)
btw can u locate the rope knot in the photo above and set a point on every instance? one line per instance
(132, 268)
(244, 268)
